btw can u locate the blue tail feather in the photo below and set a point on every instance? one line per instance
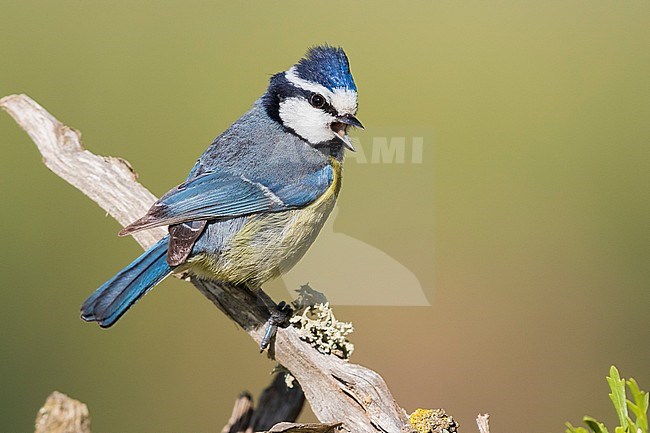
(118, 294)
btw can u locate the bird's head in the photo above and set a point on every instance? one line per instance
(316, 98)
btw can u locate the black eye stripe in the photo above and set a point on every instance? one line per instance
(329, 109)
(326, 107)
(280, 90)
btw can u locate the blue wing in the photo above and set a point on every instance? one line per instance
(222, 194)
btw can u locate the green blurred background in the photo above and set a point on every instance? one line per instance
(526, 224)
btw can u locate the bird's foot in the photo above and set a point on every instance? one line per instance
(280, 317)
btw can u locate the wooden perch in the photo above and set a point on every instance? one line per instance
(287, 427)
(241, 416)
(337, 391)
(483, 423)
(62, 414)
(277, 404)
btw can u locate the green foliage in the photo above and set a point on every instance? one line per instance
(638, 406)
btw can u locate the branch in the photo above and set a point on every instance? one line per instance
(277, 404)
(483, 423)
(241, 416)
(287, 427)
(337, 390)
(62, 414)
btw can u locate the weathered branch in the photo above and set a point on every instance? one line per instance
(337, 390)
(241, 415)
(62, 414)
(483, 423)
(278, 403)
(287, 427)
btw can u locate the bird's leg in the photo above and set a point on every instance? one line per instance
(280, 315)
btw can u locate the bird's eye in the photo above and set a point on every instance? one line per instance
(317, 101)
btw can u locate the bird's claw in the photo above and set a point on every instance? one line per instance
(280, 316)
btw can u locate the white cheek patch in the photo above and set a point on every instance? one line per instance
(310, 123)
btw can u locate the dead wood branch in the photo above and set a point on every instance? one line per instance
(241, 416)
(62, 414)
(287, 427)
(483, 423)
(277, 403)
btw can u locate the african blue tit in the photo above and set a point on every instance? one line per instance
(257, 198)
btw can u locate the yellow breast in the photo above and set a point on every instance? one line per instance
(270, 244)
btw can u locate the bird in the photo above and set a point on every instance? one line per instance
(257, 197)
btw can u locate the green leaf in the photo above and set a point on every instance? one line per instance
(637, 405)
(634, 389)
(594, 425)
(640, 405)
(636, 410)
(617, 385)
(572, 429)
(631, 425)
(637, 414)
(642, 421)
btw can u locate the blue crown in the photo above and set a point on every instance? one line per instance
(327, 66)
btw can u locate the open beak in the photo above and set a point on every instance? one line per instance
(349, 119)
(340, 128)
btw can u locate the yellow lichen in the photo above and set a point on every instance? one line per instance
(432, 421)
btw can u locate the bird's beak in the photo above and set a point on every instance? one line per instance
(349, 119)
(340, 128)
